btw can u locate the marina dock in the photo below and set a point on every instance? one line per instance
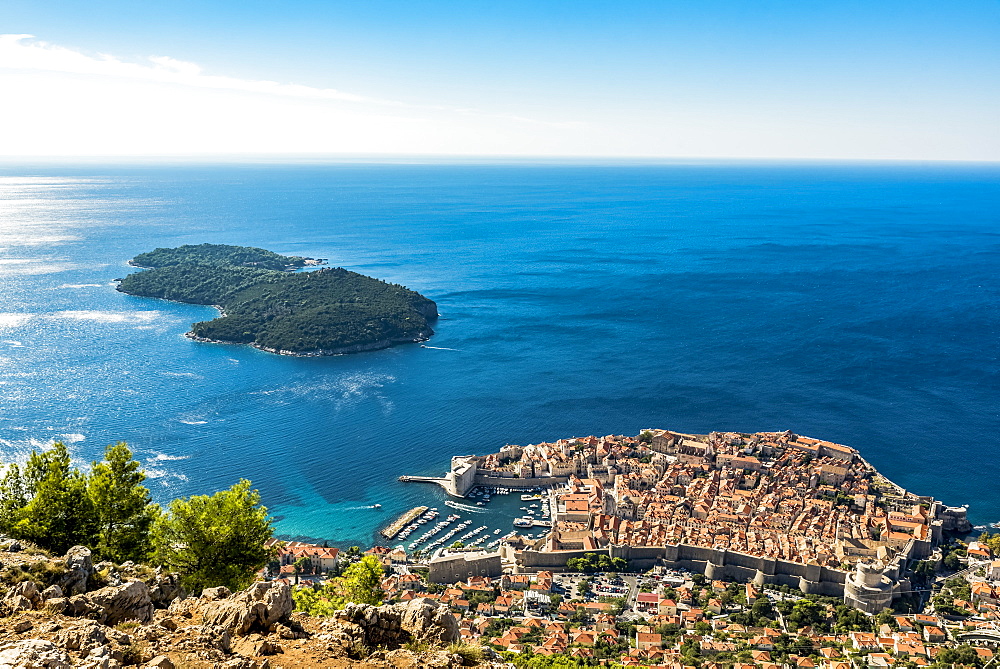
(392, 530)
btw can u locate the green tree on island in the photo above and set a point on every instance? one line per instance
(125, 511)
(214, 540)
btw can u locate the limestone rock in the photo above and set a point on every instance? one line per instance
(287, 632)
(278, 601)
(393, 625)
(79, 568)
(22, 597)
(100, 657)
(215, 594)
(258, 607)
(83, 637)
(80, 557)
(129, 601)
(27, 590)
(51, 591)
(168, 624)
(433, 659)
(119, 637)
(240, 663)
(256, 647)
(56, 604)
(216, 637)
(160, 662)
(15, 603)
(183, 607)
(148, 632)
(33, 654)
(165, 588)
(111, 605)
(428, 621)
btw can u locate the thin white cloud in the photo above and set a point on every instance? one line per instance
(24, 52)
(59, 101)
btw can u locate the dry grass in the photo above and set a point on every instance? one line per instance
(42, 573)
(471, 653)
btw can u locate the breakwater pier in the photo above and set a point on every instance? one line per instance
(424, 479)
(397, 525)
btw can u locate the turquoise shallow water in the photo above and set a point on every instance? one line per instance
(856, 303)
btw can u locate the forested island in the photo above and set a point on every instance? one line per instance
(268, 305)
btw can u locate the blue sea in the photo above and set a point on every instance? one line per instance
(850, 302)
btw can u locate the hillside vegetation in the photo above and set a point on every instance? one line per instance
(220, 254)
(209, 540)
(326, 311)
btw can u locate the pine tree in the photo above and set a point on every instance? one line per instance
(125, 512)
(13, 497)
(362, 581)
(214, 540)
(60, 513)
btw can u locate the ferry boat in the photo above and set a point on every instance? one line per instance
(523, 522)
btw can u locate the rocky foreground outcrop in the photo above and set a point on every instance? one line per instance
(130, 622)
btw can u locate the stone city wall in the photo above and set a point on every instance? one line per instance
(714, 563)
(454, 568)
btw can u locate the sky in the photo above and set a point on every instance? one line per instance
(796, 79)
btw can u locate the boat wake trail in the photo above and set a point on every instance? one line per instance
(439, 348)
(464, 507)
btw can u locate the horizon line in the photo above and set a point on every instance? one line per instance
(444, 159)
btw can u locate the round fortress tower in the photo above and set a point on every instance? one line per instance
(869, 588)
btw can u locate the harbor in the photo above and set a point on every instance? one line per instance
(485, 517)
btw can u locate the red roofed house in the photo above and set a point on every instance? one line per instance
(322, 559)
(647, 601)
